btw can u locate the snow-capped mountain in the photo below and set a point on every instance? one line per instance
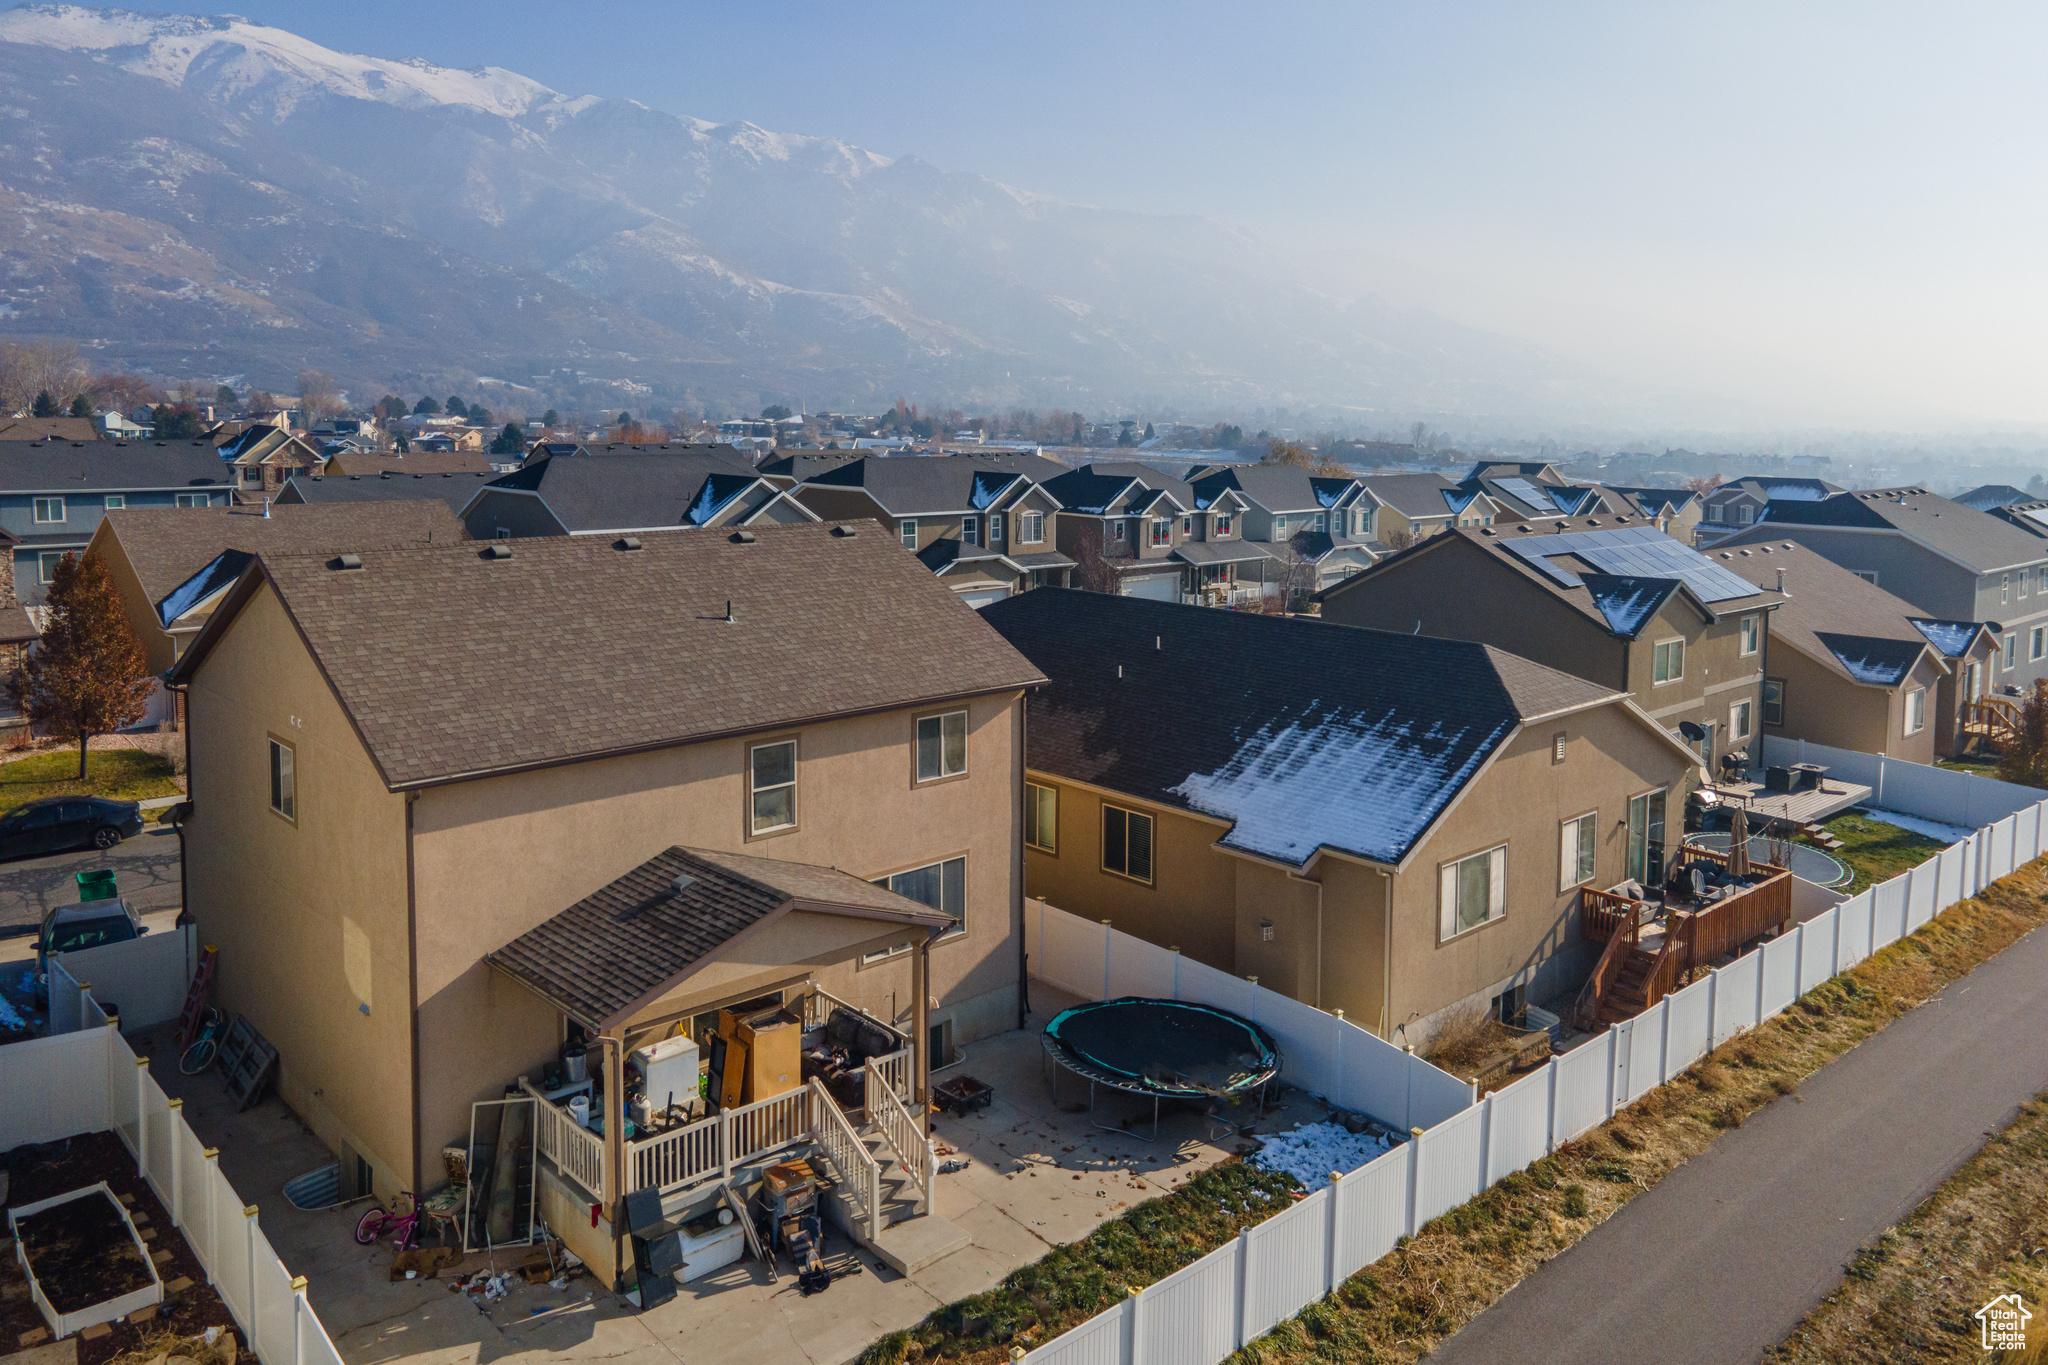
(213, 196)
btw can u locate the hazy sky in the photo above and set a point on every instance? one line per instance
(1829, 211)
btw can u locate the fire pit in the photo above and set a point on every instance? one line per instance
(85, 1262)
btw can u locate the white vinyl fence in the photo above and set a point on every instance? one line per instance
(1961, 799)
(1320, 1053)
(87, 1081)
(1204, 1312)
(143, 981)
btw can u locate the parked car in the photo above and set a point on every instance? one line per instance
(70, 928)
(56, 823)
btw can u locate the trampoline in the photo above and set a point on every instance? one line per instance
(1806, 863)
(1165, 1049)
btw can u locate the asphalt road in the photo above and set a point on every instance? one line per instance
(1726, 1255)
(145, 869)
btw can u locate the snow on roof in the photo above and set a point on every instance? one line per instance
(1870, 660)
(1627, 603)
(1952, 638)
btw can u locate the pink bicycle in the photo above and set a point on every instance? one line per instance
(376, 1221)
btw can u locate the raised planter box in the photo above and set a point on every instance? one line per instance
(90, 1314)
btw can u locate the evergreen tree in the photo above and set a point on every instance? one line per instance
(224, 397)
(426, 407)
(88, 674)
(2025, 759)
(550, 417)
(510, 441)
(81, 406)
(625, 419)
(455, 407)
(45, 405)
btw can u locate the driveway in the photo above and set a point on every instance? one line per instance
(145, 868)
(1728, 1253)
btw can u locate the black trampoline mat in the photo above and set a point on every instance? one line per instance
(1166, 1046)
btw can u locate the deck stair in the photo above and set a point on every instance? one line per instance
(1629, 995)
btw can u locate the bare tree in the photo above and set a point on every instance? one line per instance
(1704, 486)
(317, 398)
(34, 367)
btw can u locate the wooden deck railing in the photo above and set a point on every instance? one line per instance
(860, 1175)
(576, 1151)
(913, 1149)
(1603, 912)
(1995, 718)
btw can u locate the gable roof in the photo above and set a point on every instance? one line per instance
(928, 485)
(50, 428)
(370, 463)
(1953, 639)
(627, 489)
(1987, 497)
(633, 940)
(1412, 495)
(1303, 735)
(108, 466)
(455, 663)
(1963, 535)
(1848, 625)
(456, 490)
(1278, 488)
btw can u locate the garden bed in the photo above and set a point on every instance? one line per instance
(86, 1263)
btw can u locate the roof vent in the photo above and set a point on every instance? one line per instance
(683, 882)
(497, 550)
(742, 537)
(1781, 580)
(1522, 528)
(626, 543)
(345, 562)
(1488, 531)
(846, 532)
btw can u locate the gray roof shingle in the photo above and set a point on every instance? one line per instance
(113, 466)
(1977, 540)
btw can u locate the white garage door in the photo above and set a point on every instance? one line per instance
(1161, 589)
(981, 597)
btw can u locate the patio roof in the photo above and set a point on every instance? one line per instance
(636, 939)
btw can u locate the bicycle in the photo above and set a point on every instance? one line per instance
(376, 1221)
(206, 1047)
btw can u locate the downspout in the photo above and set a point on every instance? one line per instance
(1017, 862)
(412, 969)
(185, 714)
(1387, 942)
(1293, 876)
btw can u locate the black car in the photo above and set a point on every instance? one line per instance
(74, 928)
(56, 823)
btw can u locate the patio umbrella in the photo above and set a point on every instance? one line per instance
(1738, 844)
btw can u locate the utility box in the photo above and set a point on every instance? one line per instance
(668, 1070)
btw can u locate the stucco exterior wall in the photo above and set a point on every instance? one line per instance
(1716, 674)
(1825, 708)
(520, 513)
(309, 917)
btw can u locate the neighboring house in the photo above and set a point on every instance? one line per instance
(1136, 531)
(116, 427)
(985, 532)
(1613, 601)
(1732, 508)
(1989, 497)
(52, 429)
(17, 632)
(53, 494)
(427, 786)
(2030, 515)
(1674, 511)
(388, 486)
(415, 461)
(1410, 507)
(173, 567)
(1849, 664)
(1952, 562)
(263, 456)
(1387, 824)
(626, 493)
(1318, 529)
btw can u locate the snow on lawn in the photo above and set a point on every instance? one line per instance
(1309, 1153)
(8, 1018)
(1948, 834)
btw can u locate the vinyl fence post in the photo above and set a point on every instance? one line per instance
(142, 1126)
(1485, 1140)
(1550, 1120)
(1137, 1312)
(1414, 1176)
(1176, 973)
(1244, 1286)
(1759, 951)
(173, 1117)
(249, 1238)
(1614, 1064)
(1880, 779)
(1105, 959)
(1713, 1005)
(1333, 1232)
(298, 1320)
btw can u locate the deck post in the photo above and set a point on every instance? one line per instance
(920, 986)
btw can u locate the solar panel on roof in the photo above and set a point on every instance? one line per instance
(1526, 491)
(1635, 552)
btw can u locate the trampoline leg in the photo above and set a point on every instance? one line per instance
(1112, 1128)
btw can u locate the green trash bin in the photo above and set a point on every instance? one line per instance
(97, 885)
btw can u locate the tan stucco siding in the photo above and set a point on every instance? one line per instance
(497, 856)
(1716, 675)
(1822, 706)
(157, 645)
(310, 918)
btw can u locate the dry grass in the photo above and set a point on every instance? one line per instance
(1467, 1038)
(1397, 1309)
(1909, 1295)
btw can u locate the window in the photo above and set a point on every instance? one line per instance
(1916, 710)
(1667, 662)
(1738, 721)
(1279, 527)
(1127, 843)
(1042, 817)
(2036, 645)
(1745, 514)
(1474, 892)
(195, 500)
(1714, 512)
(117, 502)
(942, 886)
(2011, 644)
(1116, 532)
(906, 530)
(2024, 576)
(1223, 523)
(941, 746)
(1187, 527)
(1867, 575)
(1162, 532)
(2004, 579)
(1031, 527)
(1646, 838)
(47, 562)
(995, 529)
(502, 533)
(49, 509)
(1774, 701)
(283, 784)
(1575, 851)
(771, 784)
(1315, 523)
(1752, 634)
(970, 530)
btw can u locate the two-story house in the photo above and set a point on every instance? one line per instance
(1952, 562)
(1733, 507)
(1318, 528)
(456, 490)
(457, 808)
(1614, 601)
(53, 494)
(625, 492)
(1388, 824)
(985, 531)
(262, 457)
(1411, 507)
(1140, 532)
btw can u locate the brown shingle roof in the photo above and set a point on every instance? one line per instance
(631, 941)
(1848, 625)
(455, 664)
(417, 462)
(166, 546)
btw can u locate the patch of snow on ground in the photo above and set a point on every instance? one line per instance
(8, 1018)
(1310, 1152)
(1948, 834)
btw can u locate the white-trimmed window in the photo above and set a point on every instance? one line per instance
(2036, 644)
(2004, 579)
(195, 499)
(995, 529)
(49, 510)
(1127, 843)
(1916, 710)
(117, 502)
(1116, 531)
(1162, 531)
(1667, 662)
(1714, 511)
(1867, 575)
(771, 786)
(1745, 514)
(1739, 718)
(284, 796)
(1042, 817)
(941, 746)
(1474, 892)
(1222, 524)
(1030, 527)
(1774, 701)
(970, 530)
(1279, 527)
(942, 886)
(1575, 847)
(906, 531)
(2023, 577)
(1315, 523)
(2011, 644)
(47, 562)
(1752, 634)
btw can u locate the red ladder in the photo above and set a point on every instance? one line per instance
(195, 997)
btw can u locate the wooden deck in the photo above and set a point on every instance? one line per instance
(1801, 808)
